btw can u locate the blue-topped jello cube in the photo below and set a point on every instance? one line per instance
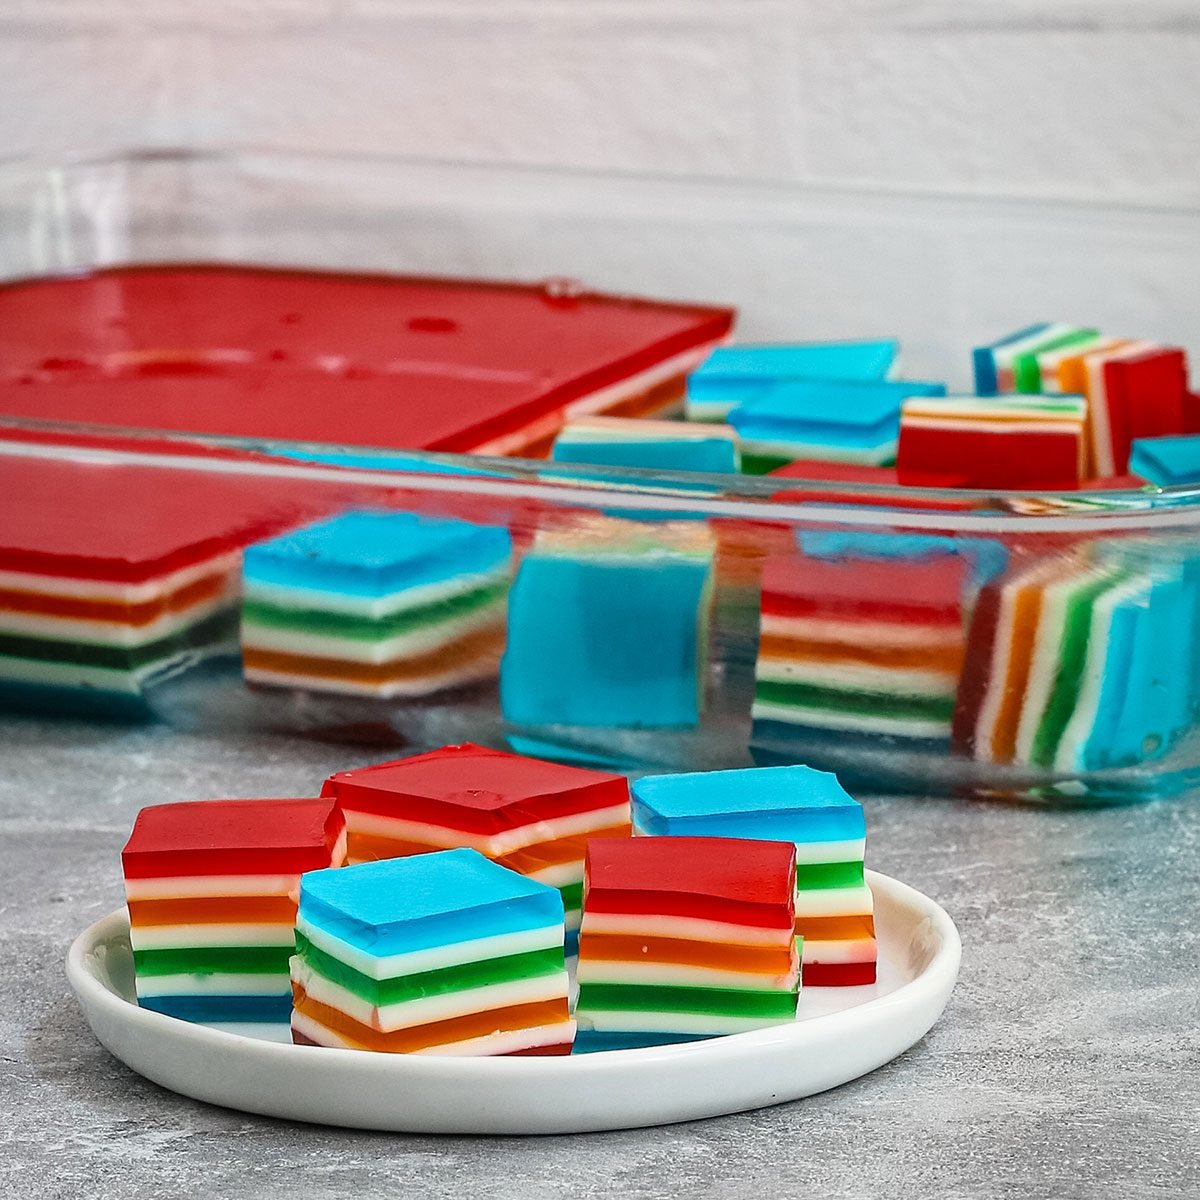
(636, 442)
(608, 626)
(834, 906)
(824, 420)
(377, 604)
(443, 953)
(731, 375)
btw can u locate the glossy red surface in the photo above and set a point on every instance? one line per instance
(474, 789)
(366, 360)
(126, 523)
(217, 837)
(631, 874)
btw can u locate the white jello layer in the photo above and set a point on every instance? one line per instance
(839, 850)
(195, 936)
(391, 966)
(123, 593)
(112, 633)
(211, 887)
(492, 845)
(689, 928)
(853, 633)
(888, 681)
(410, 685)
(850, 950)
(428, 1010)
(495, 1043)
(436, 635)
(354, 605)
(831, 718)
(834, 902)
(216, 983)
(671, 1022)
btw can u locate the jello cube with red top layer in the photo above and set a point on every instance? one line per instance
(532, 816)
(212, 888)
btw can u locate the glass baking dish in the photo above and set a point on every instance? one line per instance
(1041, 648)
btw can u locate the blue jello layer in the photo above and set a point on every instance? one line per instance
(1166, 461)
(372, 554)
(591, 1041)
(424, 901)
(605, 641)
(787, 804)
(270, 1009)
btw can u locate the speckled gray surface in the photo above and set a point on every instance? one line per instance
(1066, 1064)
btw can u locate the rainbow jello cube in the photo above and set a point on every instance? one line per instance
(376, 603)
(731, 375)
(834, 907)
(528, 815)
(685, 938)
(212, 889)
(443, 953)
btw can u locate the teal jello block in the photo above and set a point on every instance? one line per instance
(607, 633)
(788, 804)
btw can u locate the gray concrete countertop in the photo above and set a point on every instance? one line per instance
(1065, 1065)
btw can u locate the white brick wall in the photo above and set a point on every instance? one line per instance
(944, 169)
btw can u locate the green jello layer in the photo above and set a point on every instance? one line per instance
(379, 992)
(206, 960)
(1068, 678)
(866, 704)
(119, 658)
(725, 1002)
(572, 895)
(335, 624)
(828, 875)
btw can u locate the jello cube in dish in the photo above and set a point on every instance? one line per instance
(685, 938)
(531, 816)
(212, 887)
(376, 603)
(834, 907)
(443, 953)
(608, 625)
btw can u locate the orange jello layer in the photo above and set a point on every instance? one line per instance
(223, 910)
(611, 947)
(438, 1033)
(836, 929)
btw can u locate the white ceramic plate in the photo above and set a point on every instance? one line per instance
(839, 1034)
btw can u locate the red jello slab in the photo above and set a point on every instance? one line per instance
(126, 523)
(368, 360)
(837, 974)
(928, 591)
(714, 873)
(219, 837)
(835, 472)
(475, 789)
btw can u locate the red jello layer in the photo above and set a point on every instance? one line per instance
(232, 837)
(837, 974)
(475, 790)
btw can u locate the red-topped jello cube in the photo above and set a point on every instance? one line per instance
(212, 887)
(684, 938)
(531, 816)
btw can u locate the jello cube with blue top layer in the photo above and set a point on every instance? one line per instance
(376, 603)
(443, 953)
(835, 420)
(834, 906)
(608, 626)
(732, 375)
(663, 445)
